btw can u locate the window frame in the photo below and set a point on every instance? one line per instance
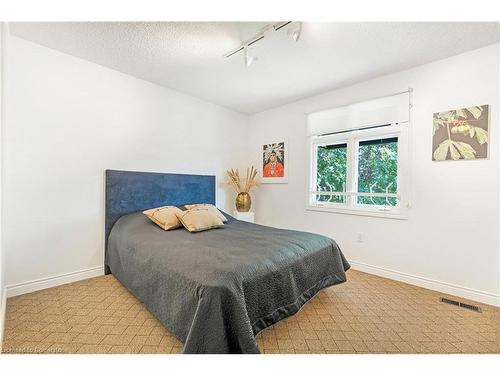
(352, 139)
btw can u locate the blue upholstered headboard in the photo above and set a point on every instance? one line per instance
(128, 192)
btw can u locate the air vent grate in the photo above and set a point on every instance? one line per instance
(461, 304)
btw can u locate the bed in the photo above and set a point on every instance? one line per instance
(214, 290)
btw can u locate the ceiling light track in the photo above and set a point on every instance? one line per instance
(258, 37)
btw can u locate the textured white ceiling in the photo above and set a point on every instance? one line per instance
(188, 57)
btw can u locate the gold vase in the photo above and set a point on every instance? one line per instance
(243, 202)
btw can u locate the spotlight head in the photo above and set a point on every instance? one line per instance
(249, 59)
(295, 31)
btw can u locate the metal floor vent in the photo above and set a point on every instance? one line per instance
(461, 304)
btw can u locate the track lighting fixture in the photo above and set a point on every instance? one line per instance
(294, 31)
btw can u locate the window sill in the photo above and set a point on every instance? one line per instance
(360, 212)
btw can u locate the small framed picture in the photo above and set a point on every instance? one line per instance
(275, 162)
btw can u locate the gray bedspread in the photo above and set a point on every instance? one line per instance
(215, 290)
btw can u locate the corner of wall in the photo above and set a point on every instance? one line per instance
(3, 293)
(498, 187)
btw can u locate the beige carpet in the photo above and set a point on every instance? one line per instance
(368, 314)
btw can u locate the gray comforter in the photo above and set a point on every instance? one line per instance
(216, 290)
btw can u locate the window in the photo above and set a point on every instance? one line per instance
(331, 167)
(360, 171)
(377, 171)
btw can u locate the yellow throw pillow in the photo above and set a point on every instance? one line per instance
(210, 207)
(165, 217)
(199, 219)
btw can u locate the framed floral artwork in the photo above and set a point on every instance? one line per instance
(461, 134)
(274, 159)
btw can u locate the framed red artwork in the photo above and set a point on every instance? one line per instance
(274, 162)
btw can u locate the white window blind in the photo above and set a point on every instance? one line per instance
(381, 111)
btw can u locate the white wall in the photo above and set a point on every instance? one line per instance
(67, 121)
(2, 263)
(450, 241)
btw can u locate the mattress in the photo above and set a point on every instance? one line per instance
(215, 290)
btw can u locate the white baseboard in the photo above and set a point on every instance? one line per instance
(49, 282)
(456, 290)
(439, 286)
(3, 307)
